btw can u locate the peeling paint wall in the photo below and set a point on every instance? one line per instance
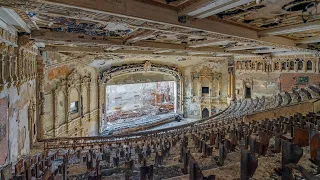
(19, 101)
(261, 84)
(268, 84)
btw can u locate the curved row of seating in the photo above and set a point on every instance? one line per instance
(249, 106)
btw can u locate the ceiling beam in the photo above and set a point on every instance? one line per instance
(200, 6)
(291, 53)
(140, 35)
(237, 48)
(210, 43)
(291, 29)
(175, 3)
(225, 5)
(101, 50)
(309, 40)
(270, 51)
(12, 18)
(60, 37)
(279, 40)
(180, 2)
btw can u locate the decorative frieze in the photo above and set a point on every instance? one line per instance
(17, 59)
(279, 64)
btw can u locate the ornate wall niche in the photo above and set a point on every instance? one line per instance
(206, 78)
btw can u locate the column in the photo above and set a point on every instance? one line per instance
(14, 67)
(5, 64)
(11, 65)
(219, 85)
(40, 97)
(55, 103)
(314, 63)
(2, 55)
(199, 87)
(67, 107)
(273, 66)
(296, 66)
(88, 85)
(229, 84)
(232, 84)
(102, 99)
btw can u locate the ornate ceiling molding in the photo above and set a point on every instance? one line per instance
(140, 67)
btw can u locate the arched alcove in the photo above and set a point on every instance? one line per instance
(205, 113)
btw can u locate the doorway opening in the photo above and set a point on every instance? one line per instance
(248, 92)
(205, 113)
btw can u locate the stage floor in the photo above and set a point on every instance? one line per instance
(174, 123)
(134, 122)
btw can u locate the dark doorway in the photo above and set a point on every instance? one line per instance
(248, 92)
(205, 113)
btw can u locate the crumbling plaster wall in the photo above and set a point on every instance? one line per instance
(19, 100)
(53, 75)
(193, 108)
(268, 84)
(261, 83)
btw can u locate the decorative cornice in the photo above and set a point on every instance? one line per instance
(140, 67)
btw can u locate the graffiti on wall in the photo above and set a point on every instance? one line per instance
(4, 125)
(292, 81)
(302, 80)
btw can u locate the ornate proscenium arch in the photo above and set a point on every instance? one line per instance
(116, 71)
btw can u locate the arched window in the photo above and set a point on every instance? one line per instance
(300, 65)
(259, 66)
(247, 65)
(276, 66)
(243, 65)
(291, 67)
(253, 64)
(309, 65)
(284, 66)
(238, 65)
